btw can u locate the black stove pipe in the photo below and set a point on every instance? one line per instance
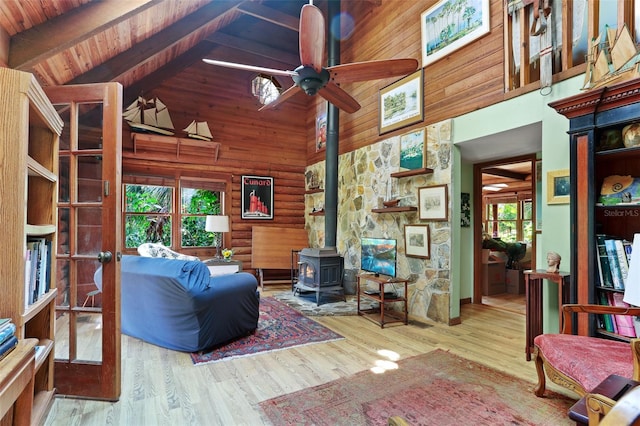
(333, 123)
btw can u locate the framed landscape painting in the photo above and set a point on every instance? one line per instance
(416, 241)
(450, 24)
(412, 150)
(433, 202)
(401, 103)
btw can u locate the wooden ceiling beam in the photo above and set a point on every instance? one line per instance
(505, 173)
(254, 48)
(48, 39)
(156, 44)
(151, 81)
(270, 15)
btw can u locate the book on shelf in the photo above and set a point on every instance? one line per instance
(604, 269)
(7, 332)
(622, 260)
(7, 346)
(37, 269)
(607, 319)
(624, 323)
(614, 265)
(632, 292)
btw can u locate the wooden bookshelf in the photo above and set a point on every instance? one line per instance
(30, 170)
(597, 118)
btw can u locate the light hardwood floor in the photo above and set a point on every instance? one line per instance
(163, 387)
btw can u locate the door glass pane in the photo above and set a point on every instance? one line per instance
(90, 126)
(89, 236)
(90, 178)
(64, 187)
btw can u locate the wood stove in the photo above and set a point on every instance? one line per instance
(320, 270)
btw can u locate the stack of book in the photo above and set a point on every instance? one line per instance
(614, 255)
(37, 269)
(8, 340)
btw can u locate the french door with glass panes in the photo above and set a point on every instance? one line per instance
(87, 352)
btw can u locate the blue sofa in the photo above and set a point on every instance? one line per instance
(177, 305)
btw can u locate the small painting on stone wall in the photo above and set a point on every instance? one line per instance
(412, 150)
(433, 202)
(416, 241)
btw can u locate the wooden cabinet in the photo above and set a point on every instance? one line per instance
(29, 133)
(596, 120)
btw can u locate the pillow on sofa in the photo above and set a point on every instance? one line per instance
(158, 250)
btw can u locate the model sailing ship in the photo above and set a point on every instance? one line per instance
(149, 116)
(614, 57)
(198, 130)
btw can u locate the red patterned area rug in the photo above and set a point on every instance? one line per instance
(279, 327)
(437, 388)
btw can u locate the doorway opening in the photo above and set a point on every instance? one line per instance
(506, 246)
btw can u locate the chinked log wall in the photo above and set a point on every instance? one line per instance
(281, 143)
(269, 143)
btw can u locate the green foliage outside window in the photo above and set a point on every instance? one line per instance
(150, 216)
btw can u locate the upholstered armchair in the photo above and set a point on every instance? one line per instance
(580, 363)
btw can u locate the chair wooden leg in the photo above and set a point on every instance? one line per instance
(542, 380)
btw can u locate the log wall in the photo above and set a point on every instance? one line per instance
(269, 143)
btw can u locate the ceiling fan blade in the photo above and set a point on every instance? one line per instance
(270, 71)
(291, 91)
(371, 70)
(312, 33)
(337, 96)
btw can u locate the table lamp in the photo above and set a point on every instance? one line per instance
(217, 224)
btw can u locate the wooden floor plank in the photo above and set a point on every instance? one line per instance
(163, 387)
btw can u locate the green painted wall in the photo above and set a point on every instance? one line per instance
(511, 114)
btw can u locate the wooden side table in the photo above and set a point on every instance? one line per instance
(613, 387)
(222, 267)
(379, 315)
(533, 291)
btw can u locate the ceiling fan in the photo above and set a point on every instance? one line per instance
(311, 77)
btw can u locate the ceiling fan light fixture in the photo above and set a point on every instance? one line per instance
(266, 88)
(309, 80)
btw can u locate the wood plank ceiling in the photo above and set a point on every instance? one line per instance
(139, 43)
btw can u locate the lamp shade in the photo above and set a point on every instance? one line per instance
(217, 224)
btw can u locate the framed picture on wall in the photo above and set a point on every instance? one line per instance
(321, 132)
(257, 197)
(433, 202)
(558, 187)
(401, 103)
(412, 150)
(438, 43)
(416, 241)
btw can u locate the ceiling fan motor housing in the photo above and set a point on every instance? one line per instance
(309, 80)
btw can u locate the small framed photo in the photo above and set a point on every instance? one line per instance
(257, 197)
(416, 241)
(321, 132)
(558, 187)
(465, 209)
(433, 202)
(401, 103)
(412, 150)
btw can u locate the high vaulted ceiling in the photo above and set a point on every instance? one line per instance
(142, 42)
